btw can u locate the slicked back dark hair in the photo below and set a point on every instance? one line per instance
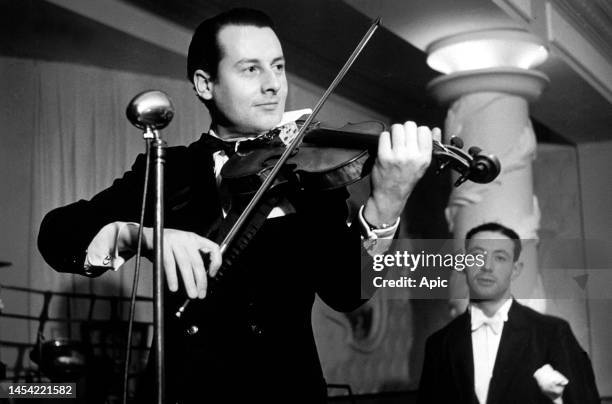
(497, 228)
(204, 50)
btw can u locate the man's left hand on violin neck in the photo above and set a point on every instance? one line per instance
(403, 156)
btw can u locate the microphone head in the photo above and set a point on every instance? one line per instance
(150, 110)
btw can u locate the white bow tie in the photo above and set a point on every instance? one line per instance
(496, 322)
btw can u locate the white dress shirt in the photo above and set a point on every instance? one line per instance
(486, 335)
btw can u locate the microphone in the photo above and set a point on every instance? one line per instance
(150, 110)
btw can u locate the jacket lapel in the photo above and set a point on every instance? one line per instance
(509, 354)
(462, 359)
(192, 192)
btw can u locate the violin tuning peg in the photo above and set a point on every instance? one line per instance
(474, 151)
(457, 142)
(461, 180)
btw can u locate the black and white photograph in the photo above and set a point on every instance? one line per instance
(306, 201)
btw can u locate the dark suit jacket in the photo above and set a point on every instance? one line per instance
(529, 340)
(271, 287)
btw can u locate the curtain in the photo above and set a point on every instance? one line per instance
(65, 137)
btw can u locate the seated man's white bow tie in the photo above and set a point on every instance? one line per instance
(496, 322)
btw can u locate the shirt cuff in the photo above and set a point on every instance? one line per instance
(376, 241)
(372, 233)
(103, 251)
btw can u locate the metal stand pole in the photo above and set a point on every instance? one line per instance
(158, 152)
(151, 111)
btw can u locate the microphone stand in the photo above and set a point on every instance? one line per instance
(158, 151)
(151, 111)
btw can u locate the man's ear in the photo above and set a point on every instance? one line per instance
(203, 84)
(518, 268)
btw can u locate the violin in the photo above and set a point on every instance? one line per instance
(317, 158)
(334, 158)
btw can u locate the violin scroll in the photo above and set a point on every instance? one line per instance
(484, 169)
(473, 165)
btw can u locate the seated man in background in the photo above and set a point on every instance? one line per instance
(500, 351)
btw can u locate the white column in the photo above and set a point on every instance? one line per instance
(489, 109)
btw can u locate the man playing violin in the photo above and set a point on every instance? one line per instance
(255, 340)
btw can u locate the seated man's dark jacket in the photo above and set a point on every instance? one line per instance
(529, 341)
(272, 285)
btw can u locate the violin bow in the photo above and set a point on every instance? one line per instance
(267, 183)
